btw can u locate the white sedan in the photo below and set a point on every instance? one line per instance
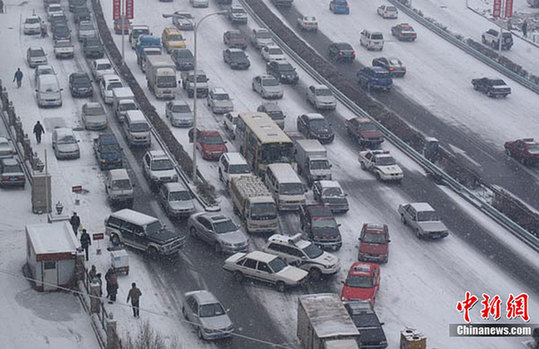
(308, 23)
(272, 53)
(388, 12)
(267, 86)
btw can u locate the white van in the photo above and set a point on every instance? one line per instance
(48, 91)
(372, 40)
(232, 165)
(107, 84)
(119, 187)
(136, 129)
(285, 186)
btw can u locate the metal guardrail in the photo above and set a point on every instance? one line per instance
(464, 192)
(465, 47)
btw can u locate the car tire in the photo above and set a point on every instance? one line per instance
(378, 177)
(363, 166)
(184, 313)
(315, 274)
(221, 176)
(418, 233)
(152, 252)
(199, 334)
(403, 219)
(280, 286)
(193, 232)
(218, 248)
(508, 152)
(238, 276)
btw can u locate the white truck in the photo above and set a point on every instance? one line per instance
(161, 76)
(312, 160)
(253, 202)
(324, 323)
(120, 94)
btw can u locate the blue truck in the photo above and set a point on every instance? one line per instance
(145, 41)
(108, 152)
(375, 78)
(339, 7)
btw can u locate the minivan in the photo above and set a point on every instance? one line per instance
(136, 129)
(48, 91)
(232, 165)
(372, 40)
(285, 186)
(119, 187)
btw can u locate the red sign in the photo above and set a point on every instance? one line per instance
(76, 188)
(516, 306)
(497, 8)
(116, 9)
(129, 9)
(98, 236)
(508, 8)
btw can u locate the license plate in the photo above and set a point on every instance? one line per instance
(219, 335)
(13, 179)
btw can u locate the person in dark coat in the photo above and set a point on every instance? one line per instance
(85, 241)
(134, 295)
(525, 28)
(74, 221)
(107, 280)
(38, 131)
(18, 76)
(43, 27)
(113, 283)
(92, 274)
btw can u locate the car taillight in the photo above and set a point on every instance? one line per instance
(403, 68)
(340, 53)
(391, 68)
(353, 53)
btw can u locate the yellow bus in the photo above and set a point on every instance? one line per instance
(262, 142)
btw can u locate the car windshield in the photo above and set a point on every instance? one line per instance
(374, 238)
(162, 165)
(318, 123)
(32, 20)
(277, 152)
(121, 184)
(221, 96)
(66, 139)
(319, 164)
(86, 26)
(277, 265)
(394, 61)
(138, 32)
(291, 189)
(427, 216)
(211, 310)
(184, 15)
(270, 82)
(238, 169)
(175, 38)
(184, 54)
(45, 70)
(166, 81)
(323, 92)
(276, 115)
(93, 42)
(95, 110)
(368, 127)
(179, 196)
(201, 78)
(385, 161)
(275, 51)
(104, 66)
(236, 36)
(323, 223)
(37, 53)
(263, 35)
(225, 227)
(286, 68)
(377, 37)
(333, 192)
(360, 281)
(153, 228)
(498, 82)
(12, 168)
(391, 9)
(128, 106)
(312, 251)
(139, 127)
(238, 10)
(213, 140)
(115, 84)
(181, 108)
(309, 19)
(263, 210)
(533, 148)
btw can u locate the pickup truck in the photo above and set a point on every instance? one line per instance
(365, 132)
(492, 38)
(108, 152)
(375, 78)
(382, 164)
(63, 49)
(492, 87)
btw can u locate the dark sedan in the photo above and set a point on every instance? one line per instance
(282, 71)
(61, 32)
(236, 58)
(80, 85)
(183, 58)
(341, 52)
(315, 126)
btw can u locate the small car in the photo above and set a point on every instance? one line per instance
(76, 3)
(267, 86)
(387, 12)
(183, 20)
(42, 70)
(382, 164)
(183, 58)
(65, 144)
(283, 71)
(303, 254)
(341, 52)
(374, 243)
(93, 48)
(371, 333)
(218, 231)
(308, 23)
(85, 29)
(61, 32)
(64, 49)
(108, 152)
(122, 107)
(404, 32)
(331, 194)
(176, 200)
(237, 15)
(274, 111)
(107, 84)
(11, 173)
(339, 7)
(230, 120)
(136, 31)
(94, 116)
(365, 132)
(272, 53)
(203, 310)
(210, 143)
(492, 38)
(315, 126)
(321, 97)
(492, 87)
(32, 25)
(318, 223)
(36, 56)
(6, 149)
(374, 78)
(199, 3)
(261, 37)
(396, 68)
(236, 58)
(80, 85)
(525, 150)
(235, 39)
(362, 282)
(81, 13)
(54, 8)
(265, 267)
(219, 101)
(158, 168)
(423, 219)
(179, 113)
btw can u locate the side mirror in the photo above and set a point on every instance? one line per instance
(36, 90)
(342, 282)
(330, 165)
(345, 194)
(61, 89)
(338, 225)
(360, 239)
(388, 241)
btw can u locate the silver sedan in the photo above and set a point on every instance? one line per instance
(207, 314)
(217, 230)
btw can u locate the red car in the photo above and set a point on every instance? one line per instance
(118, 26)
(525, 150)
(374, 243)
(210, 144)
(404, 32)
(362, 282)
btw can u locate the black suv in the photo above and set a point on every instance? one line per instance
(236, 58)
(341, 52)
(183, 58)
(318, 223)
(314, 125)
(93, 48)
(371, 333)
(81, 13)
(282, 71)
(80, 85)
(61, 32)
(76, 3)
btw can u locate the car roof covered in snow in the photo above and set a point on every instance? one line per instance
(134, 217)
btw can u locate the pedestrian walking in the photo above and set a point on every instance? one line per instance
(38, 131)
(43, 27)
(113, 280)
(74, 220)
(108, 281)
(18, 76)
(134, 295)
(92, 274)
(85, 241)
(525, 28)
(100, 282)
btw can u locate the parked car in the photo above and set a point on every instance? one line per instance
(11, 173)
(282, 71)
(374, 78)
(492, 87)
(374, 243)
(236, 58)
(382, 164)
(6, 149)
(80, 85)
(261, 37)
(423, 219)
(372, 40)
(230, 120)
(525, 150)
(308, 23)
(32, 25)
(394, 65)
(237, 15)
(341, 52)
(264, 267)
(199, 3)
(339, 7)
(179, 113)
(176, 200)
(235, 39)
(371, 333)
(93, 48)
(387, 11)
(64, 144)
(315, 126)
(219, 101)
(158, 168)
(492, 38)
(274, 111)
(183, 20)
(218, 231)
(364, 131)
(267, 86)
(404, 32)
(207, 314)
(330, 194)
(85, 29)
(183, 58)
(210, 143)
(321, 97)
(362, 282)
(63, 49)
(36, 56)
(94, 116)
(272, 53)
(318, 223)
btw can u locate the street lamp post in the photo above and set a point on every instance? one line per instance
(195, 31)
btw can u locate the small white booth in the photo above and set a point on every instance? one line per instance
(51, 250)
